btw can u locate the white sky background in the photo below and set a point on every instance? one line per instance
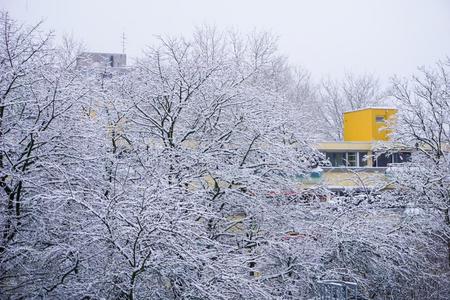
(327, 37)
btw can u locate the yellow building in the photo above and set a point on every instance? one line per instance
(367, 124)
(353, 163)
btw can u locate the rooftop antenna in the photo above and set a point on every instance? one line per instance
(123, 42)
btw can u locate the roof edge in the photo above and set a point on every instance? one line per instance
(372, 107)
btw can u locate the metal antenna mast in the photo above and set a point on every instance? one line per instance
(123, 42)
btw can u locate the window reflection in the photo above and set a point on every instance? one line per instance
(347, 159)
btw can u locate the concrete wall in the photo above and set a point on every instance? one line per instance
(95, 59)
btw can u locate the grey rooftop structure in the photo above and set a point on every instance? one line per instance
(101, 60)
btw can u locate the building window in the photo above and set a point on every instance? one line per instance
(384, 159)
(379, 119)
(351, 159)
(337, 159)
(362, 159)
(401, 157)
(347, 159)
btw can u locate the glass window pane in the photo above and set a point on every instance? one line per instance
(337, 159)
(340, 159)
(379, 119)
(351, 159)
(383, 160)
(396, 158)
(402, 157)
(330, 157)
(405, 156)
(363, 159)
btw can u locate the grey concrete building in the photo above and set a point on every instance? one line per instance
(101, 60)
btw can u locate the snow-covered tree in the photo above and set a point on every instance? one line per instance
(423, 124)
(177, 177)
(209, 136)
(38, 93)
(336, 97)
(145, 182)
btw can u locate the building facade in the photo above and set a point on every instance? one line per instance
(101, 60)
(355, 162)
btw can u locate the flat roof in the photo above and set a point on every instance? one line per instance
(101, 53)
(345, 146)
(372, 107)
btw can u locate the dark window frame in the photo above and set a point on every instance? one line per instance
(380, 119)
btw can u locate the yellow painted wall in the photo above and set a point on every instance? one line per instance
(361, 125)
(358, 126)
(381, 135)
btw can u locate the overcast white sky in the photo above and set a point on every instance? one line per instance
(328, 37)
